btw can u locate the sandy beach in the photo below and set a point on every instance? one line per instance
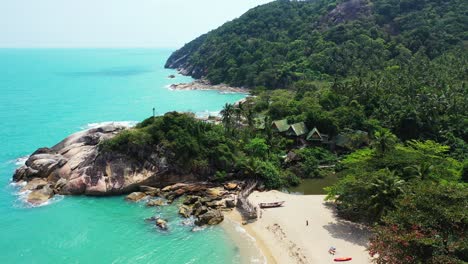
(283, 235)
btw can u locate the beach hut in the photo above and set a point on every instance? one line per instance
(280, 126)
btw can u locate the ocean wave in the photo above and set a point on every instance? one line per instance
(22, 198)
(98, 124)
(19, 161)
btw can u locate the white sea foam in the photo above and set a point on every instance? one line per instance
(98, 124)
(22, 196)
(21, 160)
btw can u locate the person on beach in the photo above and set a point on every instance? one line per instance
(332, 251)
(307, 222)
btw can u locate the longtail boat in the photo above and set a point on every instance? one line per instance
(271, 205)
(342, 259)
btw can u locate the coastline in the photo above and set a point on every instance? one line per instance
(283, 236)
(203, 85)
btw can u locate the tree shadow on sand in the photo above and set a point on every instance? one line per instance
(352, 232)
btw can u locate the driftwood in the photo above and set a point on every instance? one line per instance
(247, 209)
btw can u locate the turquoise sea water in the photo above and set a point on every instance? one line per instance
(46, 95)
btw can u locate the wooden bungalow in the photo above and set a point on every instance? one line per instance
(317, 138)
(280, 126)
(297, 129)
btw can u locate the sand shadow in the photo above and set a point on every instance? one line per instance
(357, 234)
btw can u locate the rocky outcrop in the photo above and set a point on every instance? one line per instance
(204, 85)
(78, 165)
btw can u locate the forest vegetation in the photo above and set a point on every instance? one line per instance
(395, 71)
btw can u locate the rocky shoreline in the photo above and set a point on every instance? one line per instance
(204, 85)
(77, 166)
(206, 202)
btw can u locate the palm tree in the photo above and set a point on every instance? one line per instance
(385, 188)
(384, 141)
(227, 116)
(238, 113)
(421, 171)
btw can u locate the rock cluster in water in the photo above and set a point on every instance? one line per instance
(204, 201)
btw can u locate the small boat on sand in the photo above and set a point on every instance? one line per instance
(342, 259)
(271, 205)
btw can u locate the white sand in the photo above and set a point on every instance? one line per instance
(283, 236)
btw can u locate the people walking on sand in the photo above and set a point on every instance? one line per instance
(332, 250)
(307, 222)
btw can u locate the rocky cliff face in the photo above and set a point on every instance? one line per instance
(180, 59)
(78, 166)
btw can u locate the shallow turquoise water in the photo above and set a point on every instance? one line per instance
(46, 95)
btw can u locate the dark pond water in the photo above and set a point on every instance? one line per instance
(314, 186)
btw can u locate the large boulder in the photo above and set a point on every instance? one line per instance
(201, 210)
(135, 196)
(211, 217)
(82, 166)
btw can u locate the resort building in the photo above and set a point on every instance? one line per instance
(280, 126)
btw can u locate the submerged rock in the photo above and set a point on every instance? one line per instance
(40, 196)
(155, 202)
(161, 223)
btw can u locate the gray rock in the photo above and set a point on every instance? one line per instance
(156, 202)
(191, 200)
(212, 217)
(201, 210)
(185, 211)
(230, 203)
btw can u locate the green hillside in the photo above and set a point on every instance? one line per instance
(279, 43)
